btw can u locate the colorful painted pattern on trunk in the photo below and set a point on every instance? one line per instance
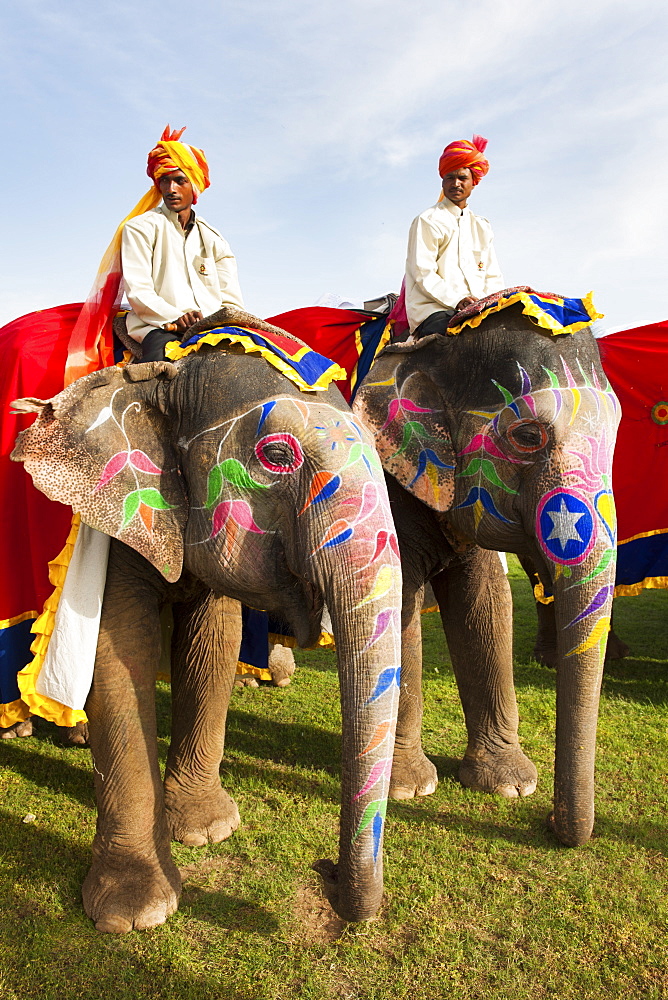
(345, 507)
(575, 521)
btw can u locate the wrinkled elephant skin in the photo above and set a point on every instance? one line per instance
(221, 482)
(501, 437)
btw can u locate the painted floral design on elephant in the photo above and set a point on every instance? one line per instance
(143, 500)
(520, 420)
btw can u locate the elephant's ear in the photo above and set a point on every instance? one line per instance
(403, 408)
(103, 447)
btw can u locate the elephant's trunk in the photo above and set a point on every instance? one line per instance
(364, 600)
(369, 682)
(582, 614)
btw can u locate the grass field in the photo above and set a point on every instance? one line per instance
(480, 900)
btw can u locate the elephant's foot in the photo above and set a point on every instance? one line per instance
(281, 665)
(545, 653)
(200, 816)
(412, 774)
(127, 893)
(246, 680)
(616, 648)
(507, 772)
(74, 736)
(18, 729)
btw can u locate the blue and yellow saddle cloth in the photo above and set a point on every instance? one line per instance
(306, 368)
(550, 312)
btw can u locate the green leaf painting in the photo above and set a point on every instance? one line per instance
(149, 497)
(508, 396)
(608, 557)
(554, 381)
(379, 806)
(234, 472)
(487, 469)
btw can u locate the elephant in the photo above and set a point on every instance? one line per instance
(500, 437)
(220, 482)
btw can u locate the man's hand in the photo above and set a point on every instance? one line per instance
(184, 322)
(468, 300)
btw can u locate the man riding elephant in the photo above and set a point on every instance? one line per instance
(451, 260)
(176, 267)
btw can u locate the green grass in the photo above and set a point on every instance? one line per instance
(480, 900)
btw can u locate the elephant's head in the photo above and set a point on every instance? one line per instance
(508, 431)
(269, 495)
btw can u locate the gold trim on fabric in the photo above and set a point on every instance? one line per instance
(534, 312)
(649, 583)
(174, 351)
(17, 619)
(643, 534)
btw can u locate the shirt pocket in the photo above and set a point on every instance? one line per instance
(205, 269)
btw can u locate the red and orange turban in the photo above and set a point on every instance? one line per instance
(463, 153)
(170, 154)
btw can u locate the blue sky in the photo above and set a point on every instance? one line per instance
(323, 123)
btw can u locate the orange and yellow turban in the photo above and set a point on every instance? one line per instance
(91, 342)
(170, 154)
(463, 153)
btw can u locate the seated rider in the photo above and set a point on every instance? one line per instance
(176, 267)
(450, 261)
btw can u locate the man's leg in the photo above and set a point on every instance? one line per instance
(436, 323)
(153, 344)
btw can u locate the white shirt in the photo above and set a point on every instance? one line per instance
(450, 256)
(168, 272)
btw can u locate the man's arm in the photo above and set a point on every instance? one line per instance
(421, 262)
(493, 278)
(137, 265)
(228, 279)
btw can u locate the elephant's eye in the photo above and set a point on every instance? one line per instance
(527, 435)
(279, 453)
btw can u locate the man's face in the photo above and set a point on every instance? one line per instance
(457, 186)
(176, 190)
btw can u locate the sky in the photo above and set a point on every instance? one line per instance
(323, 123)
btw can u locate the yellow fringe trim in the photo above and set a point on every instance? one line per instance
(13, 711)
(326, 641)
(535, 314)
(174, 351)
(649, 583)
(260, 672)
(49, 709)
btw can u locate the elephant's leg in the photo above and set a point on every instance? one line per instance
(545, 647)
(476, 609)
(205, 649)
(412, 772)
(616, 648)
(133, 882)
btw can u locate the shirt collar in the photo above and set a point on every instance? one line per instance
(452, 208)
(174, 218)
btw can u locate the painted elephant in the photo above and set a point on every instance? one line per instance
(219, 481)
(501, 437)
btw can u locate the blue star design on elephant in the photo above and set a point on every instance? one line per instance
(566, 526)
